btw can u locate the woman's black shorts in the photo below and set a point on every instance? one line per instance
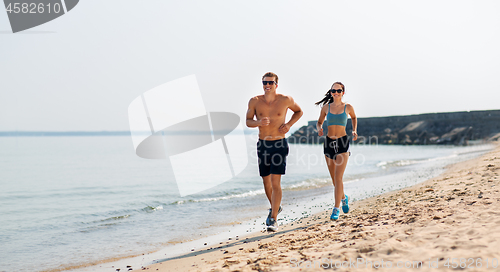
(333, 147)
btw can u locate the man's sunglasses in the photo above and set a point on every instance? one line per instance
(268, 82)
(336, 90)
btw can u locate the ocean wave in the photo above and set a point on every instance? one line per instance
(308, 183)
(152, 208)
(302, 185)
(385, 164)
(240, 195)
(116, 218)
(211, 199)
(443, 158)
(353, 180)
(104, 223)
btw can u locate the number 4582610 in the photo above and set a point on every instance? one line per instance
(33, 8)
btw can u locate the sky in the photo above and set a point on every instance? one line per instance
(81, 71)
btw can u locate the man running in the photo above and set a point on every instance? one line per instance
(270, 111)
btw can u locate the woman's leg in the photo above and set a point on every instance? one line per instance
(340, 164)
(331, 168)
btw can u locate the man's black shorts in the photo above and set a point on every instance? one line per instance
(272, 156)
(334, 147)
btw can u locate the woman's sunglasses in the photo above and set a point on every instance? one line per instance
(336, 90)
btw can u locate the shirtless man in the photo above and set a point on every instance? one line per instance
(270, 110)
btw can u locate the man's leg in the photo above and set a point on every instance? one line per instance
(276, 195)
(268, 187)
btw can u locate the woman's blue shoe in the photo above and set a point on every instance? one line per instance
(335, 214)
(345, 204)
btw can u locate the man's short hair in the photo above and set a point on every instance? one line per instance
(271, 74)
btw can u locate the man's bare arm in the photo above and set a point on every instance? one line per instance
(297, 113)
(251, 113)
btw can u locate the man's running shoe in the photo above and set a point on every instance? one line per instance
(345, 204)
(269, 215)
(335, 214)
(273, 225)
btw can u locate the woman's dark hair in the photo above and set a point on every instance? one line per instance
(328, 96)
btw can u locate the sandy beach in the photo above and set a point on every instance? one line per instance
(449, 222)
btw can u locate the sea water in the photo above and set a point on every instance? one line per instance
(72, 201)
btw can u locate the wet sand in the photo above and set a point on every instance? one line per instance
(455, 215)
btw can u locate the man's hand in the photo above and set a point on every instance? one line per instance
(284, 128)
(265, 121)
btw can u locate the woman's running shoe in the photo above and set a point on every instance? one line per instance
(335, 214)
(345, 204)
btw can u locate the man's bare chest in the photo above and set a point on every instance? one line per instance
(271, 110)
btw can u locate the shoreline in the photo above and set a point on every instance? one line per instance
(292, 215)
(426, 216)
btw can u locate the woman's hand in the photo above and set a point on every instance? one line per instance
(354, 135)
(320, 130)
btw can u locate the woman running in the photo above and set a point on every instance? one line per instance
(336, 147)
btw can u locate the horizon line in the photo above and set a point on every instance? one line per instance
(128, 132)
